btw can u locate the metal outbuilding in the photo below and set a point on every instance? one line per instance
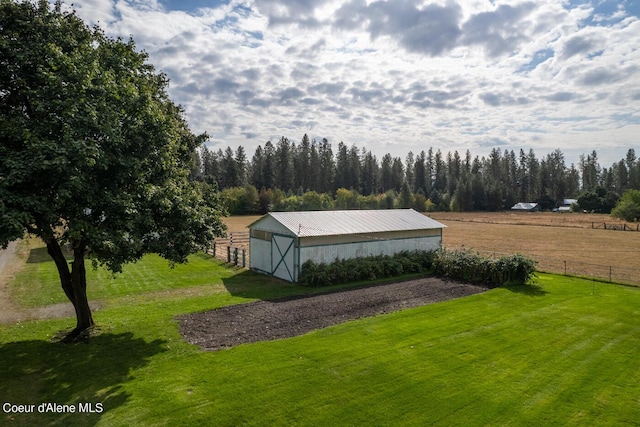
(280, 242)
(526, 207)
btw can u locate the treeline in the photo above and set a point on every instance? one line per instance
(310, 175)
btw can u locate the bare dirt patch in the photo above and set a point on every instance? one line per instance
(229, 326)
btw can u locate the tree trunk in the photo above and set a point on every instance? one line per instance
(55, 251)
(74, 284)
(79, 283)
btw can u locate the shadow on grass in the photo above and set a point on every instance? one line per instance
(531, 290)
(249, 284)
(38, 255)
(35, 372)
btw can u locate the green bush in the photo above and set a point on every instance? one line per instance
(472, 267)
(628, 208)
(368, 268)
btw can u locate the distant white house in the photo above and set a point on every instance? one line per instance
(280, 242)
(526, 207)
(566, 205)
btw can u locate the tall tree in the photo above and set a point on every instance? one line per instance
(284, 172)
(420, 175)
(397, 172)
(256, 169)
(385, 172)
(313, 173)
(591, 171)
(327, 167)
(93, 153)
(241, 166)
(269, 166)
(229, 170)
(369, 174)
(302, 164)
(633, 169)
(409, 170)
(342, 167)
(439, 173)
(533, 170)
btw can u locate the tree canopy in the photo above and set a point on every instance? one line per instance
(628, 207)
(93, 153)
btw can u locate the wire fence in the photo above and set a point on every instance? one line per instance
(608, 273)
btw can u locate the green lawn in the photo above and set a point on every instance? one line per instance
(564, 352)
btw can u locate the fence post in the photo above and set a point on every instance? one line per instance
(235, 256)
(244, 259)
(228, 253)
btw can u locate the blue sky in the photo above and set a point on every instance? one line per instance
(399, 75)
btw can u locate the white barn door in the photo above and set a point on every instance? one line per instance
(282, 257)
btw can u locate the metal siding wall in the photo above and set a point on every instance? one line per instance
(260, 258)
(328, 254)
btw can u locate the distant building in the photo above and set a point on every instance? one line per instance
(566, 205)
(526, 207)
(280, 242)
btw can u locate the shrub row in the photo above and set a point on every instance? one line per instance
(472, 267)
(461, 265)
(368, 268)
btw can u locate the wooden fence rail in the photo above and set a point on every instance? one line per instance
(618, 227)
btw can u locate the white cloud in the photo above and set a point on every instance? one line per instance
(395, 75)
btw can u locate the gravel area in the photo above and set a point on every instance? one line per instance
(229, 326)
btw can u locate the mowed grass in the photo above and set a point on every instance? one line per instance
(39, 284)
(562, 352)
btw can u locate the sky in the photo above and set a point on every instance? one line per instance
(399, 75)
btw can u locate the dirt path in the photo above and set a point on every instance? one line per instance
(269, 320)
(8, 267)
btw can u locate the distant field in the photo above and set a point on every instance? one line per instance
(552, 219)
(558, 241)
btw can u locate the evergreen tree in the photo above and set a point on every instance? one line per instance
(386, 173)
(313, 172)
(284, 173)
(397, 174)
(268, 171)
(229, 170)
(302, 164)
(439, 174)
(327, 167)
(420, 174)
(370, 174)
(241, 166)
(633, 170)
(342, 167)
(256, 169)
(409, 169)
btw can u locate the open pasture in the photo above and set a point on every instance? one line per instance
(560, 242)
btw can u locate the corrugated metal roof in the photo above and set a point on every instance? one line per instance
(331, 223)
(524, 206)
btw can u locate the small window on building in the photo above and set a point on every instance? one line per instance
(260, 234)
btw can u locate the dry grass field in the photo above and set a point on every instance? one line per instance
(560, 242)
